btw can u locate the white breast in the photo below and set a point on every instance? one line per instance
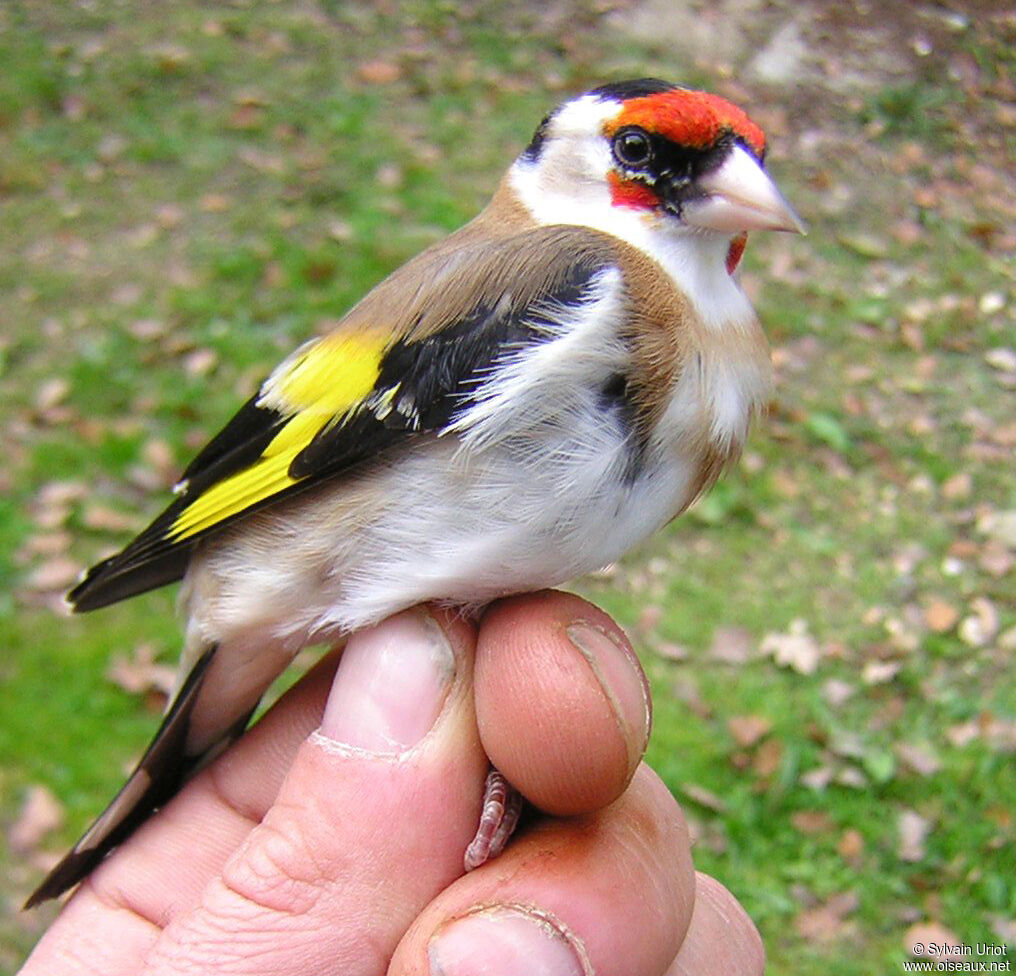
(531, 488)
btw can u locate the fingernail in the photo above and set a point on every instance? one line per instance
(505, 941)
(622, 679)
(391, 684)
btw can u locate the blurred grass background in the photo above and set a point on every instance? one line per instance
(187, 191)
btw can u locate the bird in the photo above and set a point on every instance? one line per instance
(518, 405)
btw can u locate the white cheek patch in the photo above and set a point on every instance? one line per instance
(556, 192)
(568, 184)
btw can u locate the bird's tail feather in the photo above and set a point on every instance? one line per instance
(159, 774)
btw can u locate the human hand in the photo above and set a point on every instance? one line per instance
(334, 844)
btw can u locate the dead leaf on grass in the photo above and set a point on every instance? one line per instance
(140, 673)
(44, 544)
(51, 506)
(200, 362)
(958, 487)
(940, 617)
(40, 814)
(795, 649)
(1002, 359)
(1000, 526)
(768, 758)
(54, 574)
(851, 846)
(924, 934)
(672, 652)
(995, 559)
(731, 645)
(51, 392)
(918, 758)
(880, 672)
(981, 627)
(1004, 928)
(837, 692)
(819, 777)
(703, 797)
(912, 830)
(685, 689)
(852, 778)
(102, 518)
(827, 922)
(648, 620)
(378, 72)
(747, 730)
(811, 821)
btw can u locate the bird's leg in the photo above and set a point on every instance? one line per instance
(502, 805)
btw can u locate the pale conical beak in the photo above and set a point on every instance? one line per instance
(740, 196)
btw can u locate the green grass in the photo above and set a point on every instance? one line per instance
(219, 181)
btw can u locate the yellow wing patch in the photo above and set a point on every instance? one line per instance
(319, 385)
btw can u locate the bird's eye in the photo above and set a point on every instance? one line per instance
(632, 148)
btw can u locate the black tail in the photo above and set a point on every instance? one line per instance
(161, 772)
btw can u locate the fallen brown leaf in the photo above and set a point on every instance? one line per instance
(912, 829)
(51, 392)
(378, 72)
(958, 487)
(731, 645)
(768, 757)
(140, 673)
(827, 922)
(837, 692)
(940, 616)
(982, 625)
(818, 778)
(811, 821)
(747, 730)
(918, 758)
(201, 362)
(703, 797)
(795, 649)
(995, 559)
(1004, 928)
(880, 672)
(1003, 359)
(45, 544)
(672, 652)
(1000, 526)
(851, 846)
(924, 934)
(102, 518)
(40, 814)
(54, 574)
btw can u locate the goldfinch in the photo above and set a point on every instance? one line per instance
(517, 405)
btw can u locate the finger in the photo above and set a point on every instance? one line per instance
(722, 940)
(609, 892)
(562, 703)
(193, 836)
(369, 824)
(118, 913)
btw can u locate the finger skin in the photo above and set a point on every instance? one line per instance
(562, 703)
(350, 843)
(163, 872)
(353, 847)
(618, 882)
(722, 940)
